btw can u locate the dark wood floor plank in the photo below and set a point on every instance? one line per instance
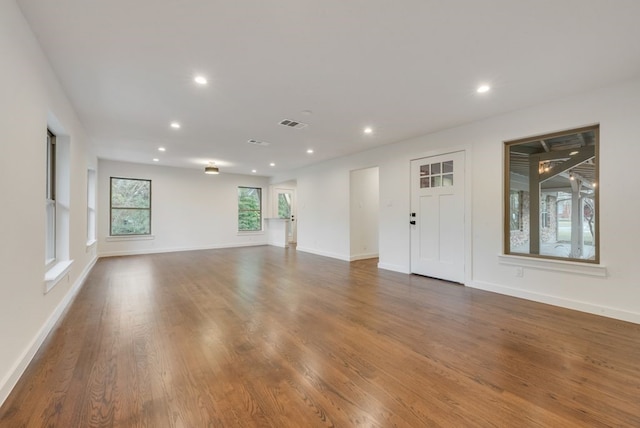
(268, 337)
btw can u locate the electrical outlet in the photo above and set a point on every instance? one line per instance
(519, 272)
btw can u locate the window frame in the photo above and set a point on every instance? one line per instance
(50, 202)
(111, 234)
(259, 210)
(91, 206)
(507, 195)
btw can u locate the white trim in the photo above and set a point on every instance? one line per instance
(53, 275)
(324, 253)
(178, 249)
(250, 232)
(114, 238)
(12, 377)
(553, 265)
(590, 308)
(91, 243)
(394, 268)
(364, 256)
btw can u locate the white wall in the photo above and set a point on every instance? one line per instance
(189, 209)
(32, 99)
(365, 201)
(323, 195)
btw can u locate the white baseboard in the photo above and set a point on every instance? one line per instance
(10, 380)
(363, 256)
(394, 268)
(178, 249)
(324, 253)
(590, 308)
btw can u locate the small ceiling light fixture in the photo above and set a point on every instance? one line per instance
(162, 149)
(200, 80)
(272, 164)
(573, 153)
(211, 169)
(368, 130)
(175, 125)
(254, 171)
(310, 151)
(156, 160)
(483, 88)
(571, 177)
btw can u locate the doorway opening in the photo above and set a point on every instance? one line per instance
(364, 213)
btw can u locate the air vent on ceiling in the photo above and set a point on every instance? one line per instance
(293, 124)
(257, 143)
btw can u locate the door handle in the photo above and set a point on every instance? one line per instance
(412, 222)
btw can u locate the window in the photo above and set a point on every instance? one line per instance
(57, 202)
(130, 206)
(50, 201)
(438, 174)
(91, 206)
(551, 196)
(249, 209)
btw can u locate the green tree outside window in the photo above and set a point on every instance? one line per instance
(249, 209)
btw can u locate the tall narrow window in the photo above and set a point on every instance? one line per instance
(91, 206)
(130, 206)
(551, 196)
(249, 209)
(50, 201)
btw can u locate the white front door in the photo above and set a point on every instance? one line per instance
(437, 216)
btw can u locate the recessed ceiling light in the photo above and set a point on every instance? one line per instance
(483, 88)
(309, 151)
(175, 125)
(200, 80)
(272, 164)
(368, 130)
(573, 153)
(254, 171)
(156, 160)
(162, 149)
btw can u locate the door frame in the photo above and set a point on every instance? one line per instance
(468, 215)
(294, 210)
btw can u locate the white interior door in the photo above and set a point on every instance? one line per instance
(286, 208)
(437, 216)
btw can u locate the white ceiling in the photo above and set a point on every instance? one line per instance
(404, 67)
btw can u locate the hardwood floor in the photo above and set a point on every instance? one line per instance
(264, 336)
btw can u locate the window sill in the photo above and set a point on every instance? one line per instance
(54, 274)
(554, 265)
(130, 238)
(250, 232)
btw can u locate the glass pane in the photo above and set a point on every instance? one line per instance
(424, 170)
(130, 221)
(447, 180)
(249, 220)
(565, 207)
(447, 167)
(435, 181)
(129, 193)
(50, 253)
(424, 182)
(284, 205)
(435, 168)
